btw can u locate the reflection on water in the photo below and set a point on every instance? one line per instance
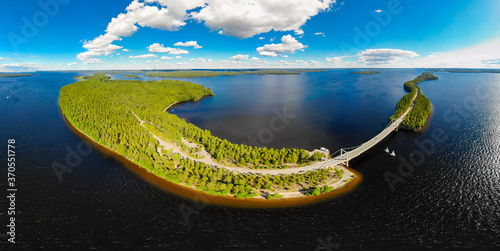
(452, 199)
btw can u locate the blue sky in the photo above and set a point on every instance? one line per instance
(180, 34)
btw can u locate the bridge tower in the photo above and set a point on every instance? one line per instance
(392, 121)
(342, 152)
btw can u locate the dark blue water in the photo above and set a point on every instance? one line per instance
(448, 196)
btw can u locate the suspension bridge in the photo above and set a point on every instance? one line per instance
(340, 157)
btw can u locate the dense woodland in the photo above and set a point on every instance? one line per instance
(11, 75)
(131, 75)
(202, 74)
(417, 117)
(103, 109)
(466, 70)
(365, 72)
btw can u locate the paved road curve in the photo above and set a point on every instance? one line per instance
(335, 162)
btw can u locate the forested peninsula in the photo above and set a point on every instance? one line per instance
(418, 116)
(365, 72)
(116, 113)
(11, 75)
(203, 74)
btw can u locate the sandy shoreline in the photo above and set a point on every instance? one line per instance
(196, 195)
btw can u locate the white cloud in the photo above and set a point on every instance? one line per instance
(284, 56)
(156, 15)
(320, 34)
(384, 56)
(268, 54)
(335, 60)
(125, 50)
(289, 45)
(20, 67)
(199, 59)
(99, 46)
(189, 44)
(92, 61)
(482, 55)
(378, 11)
(255, 59)
(144, 56)
(262, 38)
(157, 47)
(239, 57)
(71, 64)
(178, 57)
(491, 61)
(166, 58)
(312, 62)
(2, 59)
(245, 18)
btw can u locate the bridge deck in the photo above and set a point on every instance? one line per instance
(339, 160)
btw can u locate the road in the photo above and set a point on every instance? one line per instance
(338, 162)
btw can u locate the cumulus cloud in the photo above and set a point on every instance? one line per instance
(178, 57)
(289, 45)
(157, 47)
(320, 34)
(491, 61)
(101, 45)
(199, 59)
(239, 18)
(335, 60)
(239, 57)
(125, 50)
(262, 38)
(148, 13)
(378, 11)
(144, 56)
(71, 64)
(2, 59)
(193, 44)
(246, 18)
(384, 56)
(482, 55)
(20, 67)
(166, 58)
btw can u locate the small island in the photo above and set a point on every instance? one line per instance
(466, 70)
(365, 72)
(211, 74)
(15, 75)
(131, 75)
(129, 118)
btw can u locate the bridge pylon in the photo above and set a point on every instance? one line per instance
(392, 121)
(342, 152)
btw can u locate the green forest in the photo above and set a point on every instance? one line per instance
(203, 74)
(131, 75)
(365, 72)
(104, 110)
(11, 75)
(417, 117)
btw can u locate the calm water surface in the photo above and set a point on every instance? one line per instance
(449, 196)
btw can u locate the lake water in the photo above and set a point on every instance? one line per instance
(446, 197)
